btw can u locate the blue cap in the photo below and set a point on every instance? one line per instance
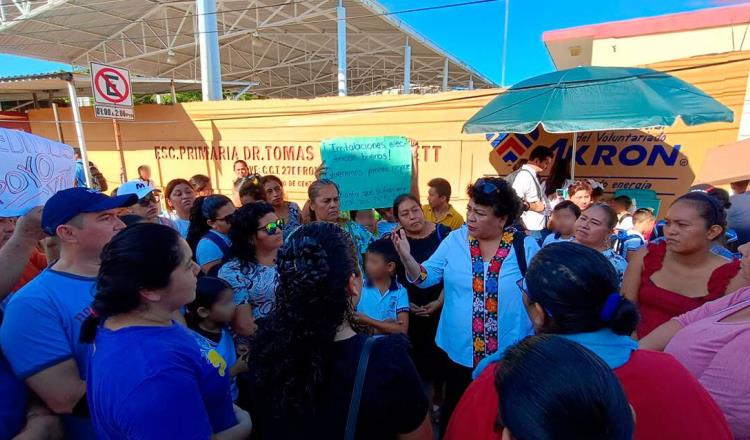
(68, 203)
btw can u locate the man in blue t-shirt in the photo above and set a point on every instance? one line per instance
(42, 322)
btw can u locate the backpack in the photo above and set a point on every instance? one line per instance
(510, 178)
(620, 238)
(223, 246)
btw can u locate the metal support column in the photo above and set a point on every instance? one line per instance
(407, 68)
(505, 42)
(445, 75)
(58, 126)
(341, 52)
(208, 39)
(173, 92)
(79, 131)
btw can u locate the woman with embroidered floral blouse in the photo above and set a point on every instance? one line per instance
(483, 311)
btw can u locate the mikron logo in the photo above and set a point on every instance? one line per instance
(596, 148)
(512, 146)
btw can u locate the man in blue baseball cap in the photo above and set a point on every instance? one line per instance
(42, 323)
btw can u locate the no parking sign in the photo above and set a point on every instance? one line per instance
(113, 97)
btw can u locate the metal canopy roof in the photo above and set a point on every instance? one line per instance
(287, 47)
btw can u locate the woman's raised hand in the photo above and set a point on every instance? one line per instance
(400, 242)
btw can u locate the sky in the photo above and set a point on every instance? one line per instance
(474, 33)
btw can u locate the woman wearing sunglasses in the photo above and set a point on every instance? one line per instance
(483, 312)
(571, 291)
(256, 236)
(208, 235)
(148, 205)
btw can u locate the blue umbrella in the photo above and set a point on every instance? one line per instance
(597, 98)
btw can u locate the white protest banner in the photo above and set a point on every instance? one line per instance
(370, 171)
(32, 169)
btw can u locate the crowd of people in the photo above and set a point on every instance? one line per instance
(546, 312)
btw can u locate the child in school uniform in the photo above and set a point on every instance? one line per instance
(384, 303)
(564, 217)
(209, 316)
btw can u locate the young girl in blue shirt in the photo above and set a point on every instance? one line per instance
(209, 316)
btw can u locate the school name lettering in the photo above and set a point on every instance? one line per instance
(422, 153)
(251, 153)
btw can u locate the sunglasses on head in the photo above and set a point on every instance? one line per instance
(486, 187)
(273, 227)
(149, 199)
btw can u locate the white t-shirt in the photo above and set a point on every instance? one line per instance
(625, 223)
(527, 187)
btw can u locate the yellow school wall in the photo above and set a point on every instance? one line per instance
(166, 137)
(653, 48)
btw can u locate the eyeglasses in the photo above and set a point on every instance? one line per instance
(273, 227)
(227, 218)
(149, 199)
(486, 187)
(524, 288)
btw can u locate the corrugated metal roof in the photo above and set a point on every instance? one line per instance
(290, 50)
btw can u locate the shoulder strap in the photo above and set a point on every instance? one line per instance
(218, 241)
(518, 246)
(441, 229)
(359, 382)
(538, 185)
(511, 178)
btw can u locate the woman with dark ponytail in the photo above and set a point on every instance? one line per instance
(208, 235)
(570, 290)
(148, 377)
(304, 359)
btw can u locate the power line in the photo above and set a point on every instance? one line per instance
(159, 36)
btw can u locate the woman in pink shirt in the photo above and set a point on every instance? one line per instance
(712, 343)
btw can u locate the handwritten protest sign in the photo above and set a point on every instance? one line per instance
(370, 171)
(32, 169)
